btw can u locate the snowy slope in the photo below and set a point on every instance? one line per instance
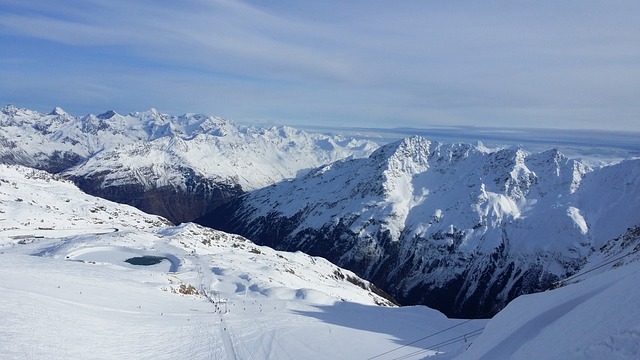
(35, 203)
(143, 158)
(67, 292)
(598, 318)
(458, 227)
(42, 211)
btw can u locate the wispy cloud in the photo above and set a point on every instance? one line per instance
(568, 64)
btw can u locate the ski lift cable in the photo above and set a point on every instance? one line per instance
(561, 282)
(463, 337)
(448, 342)
(479, 331)
(418, 340)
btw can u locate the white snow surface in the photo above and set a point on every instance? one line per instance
(598, 318)
(67, 292)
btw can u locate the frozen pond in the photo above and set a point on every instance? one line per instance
(146, 260)
(129, 257)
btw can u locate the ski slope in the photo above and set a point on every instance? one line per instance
(56, 309)
(66, 290)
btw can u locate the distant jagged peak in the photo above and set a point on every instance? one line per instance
(107, 115)
(177, 144)
(552, 155)
(451, 152)
(511, 171)
(151, 116)
(199, 118)
(414, 147)
(555, 169)
(152, 112)
(415, 154)
(288, 131)
(281, 131)
(481, 146)
(58, 111)
(195, 123)
(510, 155)
(9, 109)
(548, 160)
(187, 125)
(18, 112)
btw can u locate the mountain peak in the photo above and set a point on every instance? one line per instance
(107, 115)
(9, 109)
(58, 111)
(19, 114)
(411, 147)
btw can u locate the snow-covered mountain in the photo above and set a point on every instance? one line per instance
(67, 291)
(457, 227)
(176, 166)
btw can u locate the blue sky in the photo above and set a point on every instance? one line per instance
(540, 64)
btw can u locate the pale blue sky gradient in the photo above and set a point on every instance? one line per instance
(532, 64)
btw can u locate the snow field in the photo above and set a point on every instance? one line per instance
(598, 318)
(63, 308)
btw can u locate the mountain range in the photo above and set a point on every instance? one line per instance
(460, 228)
(464, 228)
(179, 167)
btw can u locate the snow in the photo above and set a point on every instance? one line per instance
(56, 308)
(67, 292)
(617, 202)
(578, 219)
(155, 148)
(598, 318)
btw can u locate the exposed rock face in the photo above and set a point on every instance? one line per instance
(451, 226)
(198, 197)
